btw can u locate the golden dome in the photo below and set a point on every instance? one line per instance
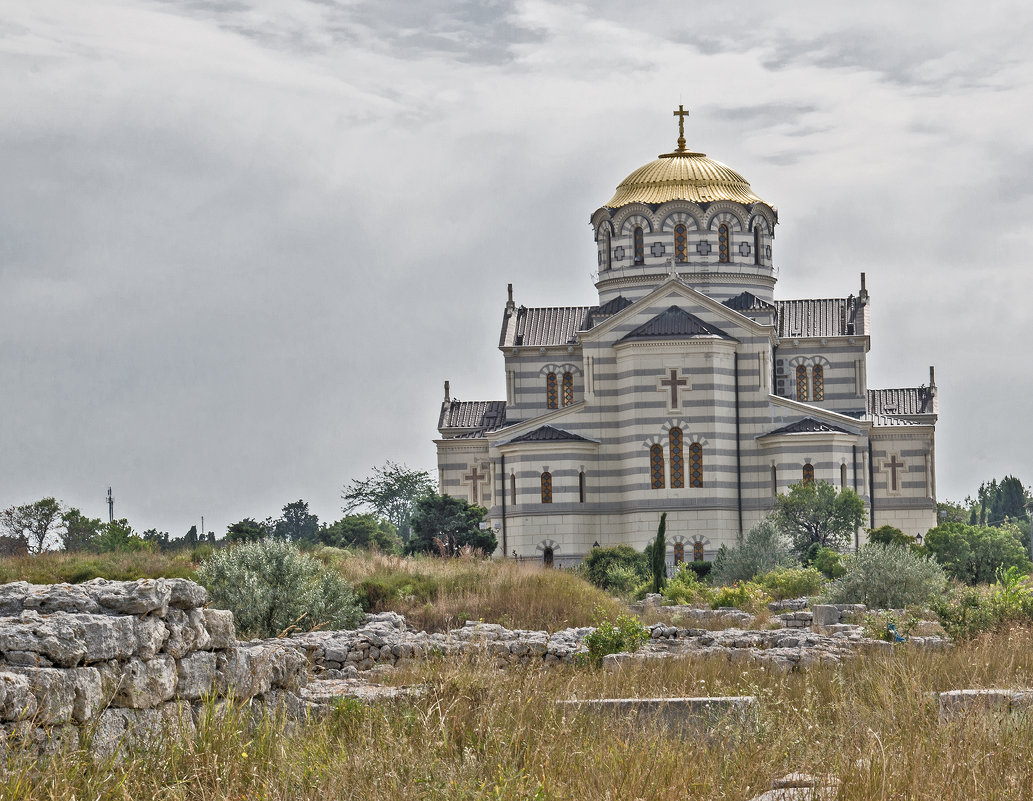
(683, 175)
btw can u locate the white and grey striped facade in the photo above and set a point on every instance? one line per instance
(689, 355)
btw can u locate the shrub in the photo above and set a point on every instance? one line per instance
(270, 587)
(624, 634)
(887, 576)
(974, 554)
(965, 613)
(762, 550)
(743, 595)
(829, 563)
(624, 580)
(791, 582)
(889, 626)
(701, 569)
(684, 587)
(597, 565)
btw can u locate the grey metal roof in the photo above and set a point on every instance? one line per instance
(549, 434)
(831, 317)
(483, 415)
(903, 400)
(675, 323)
(747, 301)
(544, 326)
(808, 425)
(608, 309)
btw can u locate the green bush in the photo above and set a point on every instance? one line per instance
(965, 613)
(624, 580)
(974, 554)
(701, 569)
(791, 582)
(887, 577)
(624, 634)
(762, 549)
(829, 563)
(684, 587)
(597, 565)
(270, 586)
(743, 595)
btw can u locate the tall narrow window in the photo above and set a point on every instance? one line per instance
(842, 476)
(656, 467)
(756, 244)
(774, 481)
(679, 552)
(819, 382)
(609, 250)
(677, 462)
(546, 487)
(801, 383)
(640, 246)
(697, 552)
(808, 474)
(512, 488)
(681, 243)
(724, 246)
(581, 486)
(551, 394)
(695, 465)
(568, 389)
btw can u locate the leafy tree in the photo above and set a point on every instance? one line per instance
(392, 492)
(190, 539)
(297, 524)
(13, 546)
(160, 539)
(974, 554)
(443, 524)
(762, 550)
(890, 535)
(658, 558)
(609, 568)
(814, 512)
(248, 530)
(117, 536)
(952, 512)
(78, 531)
(361, 531)
(34, 521)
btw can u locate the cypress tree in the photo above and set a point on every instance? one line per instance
(659, 555)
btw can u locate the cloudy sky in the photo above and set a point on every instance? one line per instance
(243, 242)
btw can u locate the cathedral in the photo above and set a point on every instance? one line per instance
(688, 389)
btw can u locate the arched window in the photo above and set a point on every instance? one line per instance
(656, 467)
(551, 394)
(679, 552)
(546, 487)
(724, 246)
(695, 465)
(547, 557)
(581, 486)
(756, 244)
(842, 476)
(681, 243)
(568, 389)
(697, 552)
(801, 383)
(677, 462)
(808, 474)
(774, 481)
(609, 250)
(640, 246)
(819, 382)
(512, 488)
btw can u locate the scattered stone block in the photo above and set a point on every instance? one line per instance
(686, 715)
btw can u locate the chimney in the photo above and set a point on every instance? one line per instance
(510, 305)
(932, 377)
(862, 296)
(448, 397)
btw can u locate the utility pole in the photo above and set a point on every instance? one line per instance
(202, 527)
(111, 506)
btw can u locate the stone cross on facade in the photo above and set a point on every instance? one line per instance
(681, 114)
(672, 384)
(475, 478)
(893, 465)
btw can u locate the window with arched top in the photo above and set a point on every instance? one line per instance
(551, 393)
(608, 250)
(656, 467)
(697, 552)
(512, 488)
(756, 244)
(581, 487)
(842, 476)
(808, 474)
(818, 387)
(568, 389)
(681, 243)
(639, 241)
(801, 383)
(695, 465)
(724, 244)
(677, 461)
(679, 552)
(546, 487)
(774, 481)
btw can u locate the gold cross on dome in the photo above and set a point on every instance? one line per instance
(681, 114)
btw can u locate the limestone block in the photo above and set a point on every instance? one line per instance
(48, 598)
(18, 702)
(955, 703)
(196, 675)
(58, 637)
(185, 594)
(54, 691)
(238, 676)
(219, 623)
(151, 634)
(110, 678)
(683, 714)
(133, 729)
(187, 632)
(823, 615)
(146, 683)
(108, 637)
(89, 694)
(38, 740)
(131, 597)
(12, 597)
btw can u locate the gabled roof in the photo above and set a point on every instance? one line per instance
(608, 309)
(482, 415)
(549, 434)
(548, 325)
(747, 301)
(831, 317)
(808, 426)
(675, 323)
(904, 400)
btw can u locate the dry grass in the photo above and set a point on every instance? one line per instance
(55, 567)
(483, 734)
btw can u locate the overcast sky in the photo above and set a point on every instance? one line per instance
(243, 242)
